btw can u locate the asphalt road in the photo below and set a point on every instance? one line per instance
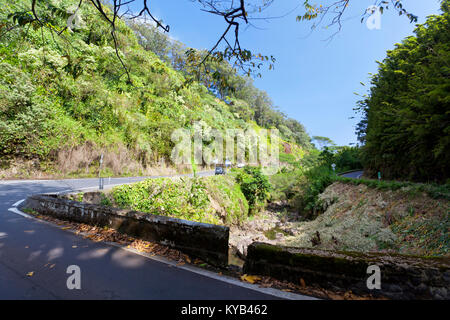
(354, 174)
(107, 272)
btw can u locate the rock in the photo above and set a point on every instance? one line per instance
(288, 231)
(395, 288)
(422, 288)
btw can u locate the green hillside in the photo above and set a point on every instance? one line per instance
(65, 97)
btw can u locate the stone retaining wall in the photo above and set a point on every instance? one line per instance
(402, 277)
(205, 241)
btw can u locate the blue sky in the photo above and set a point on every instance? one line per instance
(314, 80)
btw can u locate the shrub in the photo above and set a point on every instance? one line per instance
(216, 199)
(435, 191)
(316, 181)
(228, 196)
(255, 186)
(285, 185)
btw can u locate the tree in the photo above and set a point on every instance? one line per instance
(331, 13)
(406, 120)
(151, 38)
(323, 142)
(43, 14)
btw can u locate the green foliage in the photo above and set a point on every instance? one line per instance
(435, 191)
(301, 189)
(431, 235)
(405, 126)
(216, 199)
(62, 92)
(222, 80)
(285, 185)
(254, 185)
(345, 158)
(185, 199)
(316, 181)
(323, 141)
(23, 114)
(311, 159)
(227, 194)
(288, 158)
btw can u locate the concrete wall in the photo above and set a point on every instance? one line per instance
(205, 241)
(402, 277)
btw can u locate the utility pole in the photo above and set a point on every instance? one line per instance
(100, 179)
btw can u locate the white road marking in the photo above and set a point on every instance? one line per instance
(18, 202)
(17, 211)
(202, 173)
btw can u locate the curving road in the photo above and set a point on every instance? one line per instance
(107, 271)
(354, 174)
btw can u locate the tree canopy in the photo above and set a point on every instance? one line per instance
(65, 98)
(405, 127)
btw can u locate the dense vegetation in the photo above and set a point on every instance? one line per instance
(65, 99)
(191, 199)
(406, 121)
(226, 199)
(301, 186)
(254, 185)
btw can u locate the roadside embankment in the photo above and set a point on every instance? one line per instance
(358, 217)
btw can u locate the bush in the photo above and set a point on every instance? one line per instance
(184, 198)
(345, 158)
(285, 185)
(434, 191)
(216, 199)
(228, 197)
(56, 98)
(316, 181)
(255, 186)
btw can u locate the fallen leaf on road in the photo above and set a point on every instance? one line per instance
(65, 228)
(52, 266)
(30, 274)
(250, 279)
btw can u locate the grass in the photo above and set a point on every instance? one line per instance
(435, 191)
